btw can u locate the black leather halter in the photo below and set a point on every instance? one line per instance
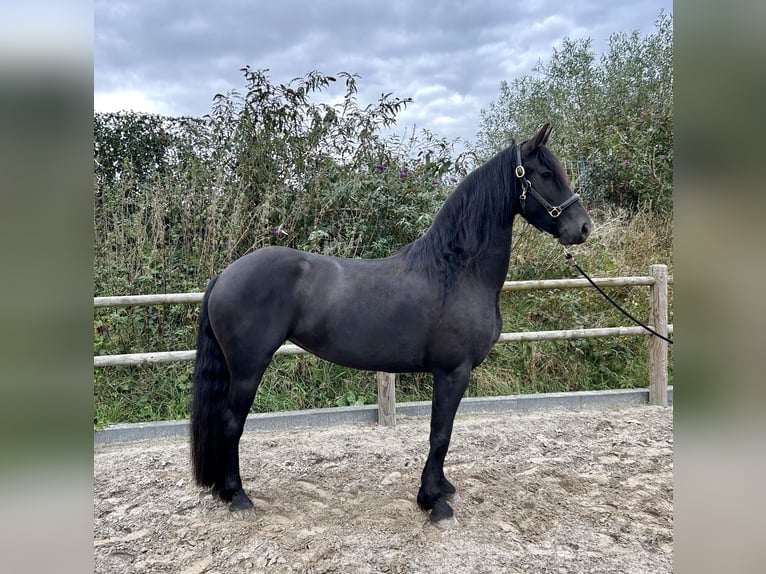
(526, 187)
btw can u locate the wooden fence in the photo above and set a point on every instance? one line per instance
(658, 282)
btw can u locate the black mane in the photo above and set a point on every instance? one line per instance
(467, 223)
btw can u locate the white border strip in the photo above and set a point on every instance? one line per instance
(128, 432)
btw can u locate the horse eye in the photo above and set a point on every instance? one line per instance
(547, 174)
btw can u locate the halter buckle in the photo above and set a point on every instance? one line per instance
(520, 171)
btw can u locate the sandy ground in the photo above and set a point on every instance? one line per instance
(555, 491)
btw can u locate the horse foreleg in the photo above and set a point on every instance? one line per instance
(435, 488)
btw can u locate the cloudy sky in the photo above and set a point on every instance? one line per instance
(172, 56)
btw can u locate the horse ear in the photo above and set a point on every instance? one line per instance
(541, 138)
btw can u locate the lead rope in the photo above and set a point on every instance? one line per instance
(574, 264)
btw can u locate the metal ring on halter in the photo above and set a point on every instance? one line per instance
(520, 171)
(526, 185)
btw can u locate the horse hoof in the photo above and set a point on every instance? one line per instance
(240, 502)
(442, 514)
(445, 523)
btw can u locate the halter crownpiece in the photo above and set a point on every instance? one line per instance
(526, 186)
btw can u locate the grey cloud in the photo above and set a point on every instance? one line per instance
(450, 56)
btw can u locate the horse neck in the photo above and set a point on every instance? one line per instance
(495, 179)
(471, 234)
(493, 264)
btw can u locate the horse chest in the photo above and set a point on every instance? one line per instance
(469, 329)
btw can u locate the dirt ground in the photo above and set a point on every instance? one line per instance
(554, 491)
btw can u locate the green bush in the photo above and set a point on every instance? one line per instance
(612, 118)
(177, 199)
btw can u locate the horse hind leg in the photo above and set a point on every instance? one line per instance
(236, 407)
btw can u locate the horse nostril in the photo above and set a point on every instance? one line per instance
(586, 229)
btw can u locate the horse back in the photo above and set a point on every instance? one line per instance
(371, 314)
(368, 314)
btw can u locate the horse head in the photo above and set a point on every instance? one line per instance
(546, 198)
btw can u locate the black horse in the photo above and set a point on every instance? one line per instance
(431, 307)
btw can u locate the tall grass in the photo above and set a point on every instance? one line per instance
(178, 199)
(138, 251)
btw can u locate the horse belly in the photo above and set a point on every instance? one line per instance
(368, 335)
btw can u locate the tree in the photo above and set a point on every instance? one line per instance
(613, 117)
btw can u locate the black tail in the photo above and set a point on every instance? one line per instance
(210, 383)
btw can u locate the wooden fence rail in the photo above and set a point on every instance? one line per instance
(658, 281)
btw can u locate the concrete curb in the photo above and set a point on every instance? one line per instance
(128, 432)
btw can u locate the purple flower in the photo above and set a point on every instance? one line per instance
(278, 232)
(381, 167)
(453, 180)
(404, 173)
(435, 182)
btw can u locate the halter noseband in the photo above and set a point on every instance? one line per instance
(526, 187)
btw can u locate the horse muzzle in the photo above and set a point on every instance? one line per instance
(574, 231)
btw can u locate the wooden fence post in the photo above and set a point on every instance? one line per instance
(658, 349)
(387, 399)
